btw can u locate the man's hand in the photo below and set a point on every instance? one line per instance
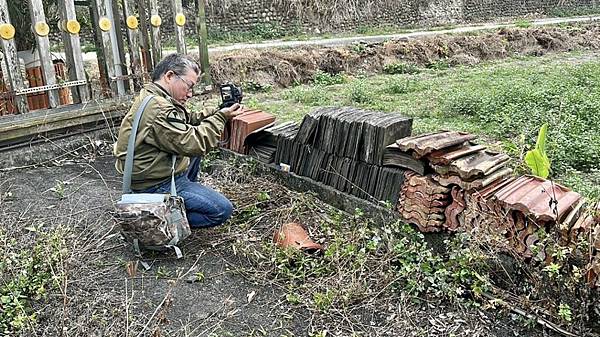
(232, 111)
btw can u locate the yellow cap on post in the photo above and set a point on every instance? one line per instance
(104, 24)
(132, 22)
(73, 26)
(180, 19)
(155, 20)
(41, 28)
(7, 31)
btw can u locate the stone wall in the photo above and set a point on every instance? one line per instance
(314, 16)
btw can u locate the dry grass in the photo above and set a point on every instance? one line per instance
(285, 67)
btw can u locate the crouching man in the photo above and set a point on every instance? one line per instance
(167, 128)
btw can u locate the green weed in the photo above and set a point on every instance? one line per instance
(27, 275)
(312, 96)
(401, 68)
(359, 92)
(400, 85)
(323, 78)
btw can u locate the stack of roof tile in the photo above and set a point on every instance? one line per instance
(518, 207)
(483, 195)
(453, 162)
(358, 134)
(423, 202)
(456, 160)
(592, 222)
(243, 125)
(344, 148)
(262, 144)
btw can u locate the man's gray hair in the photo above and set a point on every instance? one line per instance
(177, 63)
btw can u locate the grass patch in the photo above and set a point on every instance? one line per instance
(523, 23)
(503, 102)
(323, 78)
(401, 68)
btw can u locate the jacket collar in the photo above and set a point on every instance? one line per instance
(158, 90)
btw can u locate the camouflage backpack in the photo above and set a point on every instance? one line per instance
(150, 220)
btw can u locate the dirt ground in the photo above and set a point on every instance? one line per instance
(107, 292)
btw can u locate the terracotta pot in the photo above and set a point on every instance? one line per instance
(295, 236)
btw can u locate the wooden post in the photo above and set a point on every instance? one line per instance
(134, 45)
(114, 45)
(145, 32)
(120, 46)
(156, 48)
(203, 42)
(36, 9)
(73, 53)
(102, 64)
(179, 29)
(104, 41)
(10, 66)
(109, 44)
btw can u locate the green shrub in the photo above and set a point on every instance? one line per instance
(27, 275)
(313, 96)
(267, 31)
(324, 78)
(401, 68)
(400, 85)
(441, 64)
(252, 86)
(358, 92)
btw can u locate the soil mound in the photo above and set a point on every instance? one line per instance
(285, 67)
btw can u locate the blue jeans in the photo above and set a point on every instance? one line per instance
(204, 206)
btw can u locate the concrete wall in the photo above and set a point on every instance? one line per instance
(283, 15)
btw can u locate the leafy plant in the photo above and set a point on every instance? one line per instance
(564, 312)
(263, 196)
(401, 68)
(27, 275)
(441, 64)
(163, 272)
(360, 93)
(399, 86)
(253, 86)
(323, 300)
(324, 78)
(59, 189)
(536, 159)
(199, 276)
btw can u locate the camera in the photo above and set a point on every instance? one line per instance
(230, 94)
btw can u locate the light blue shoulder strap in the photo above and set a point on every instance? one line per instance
(131, 150)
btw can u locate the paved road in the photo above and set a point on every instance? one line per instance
(371, 39)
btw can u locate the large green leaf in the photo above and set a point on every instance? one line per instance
(541, 140)
(538, 163)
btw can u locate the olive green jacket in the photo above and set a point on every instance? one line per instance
(165, 128)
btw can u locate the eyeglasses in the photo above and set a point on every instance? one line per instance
(189, 84)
